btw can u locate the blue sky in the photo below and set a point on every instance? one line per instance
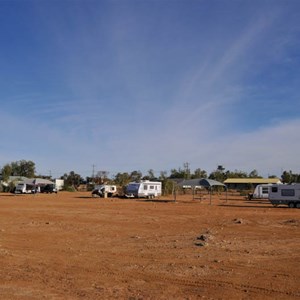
(150, 84)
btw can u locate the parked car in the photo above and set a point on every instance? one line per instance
(49, 188)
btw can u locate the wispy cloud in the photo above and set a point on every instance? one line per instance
(126, 90)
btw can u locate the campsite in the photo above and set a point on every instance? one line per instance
(75, 246)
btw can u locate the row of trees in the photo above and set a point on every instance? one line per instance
(220, 174)
(27, 169)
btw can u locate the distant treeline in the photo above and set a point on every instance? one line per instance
(26, 168)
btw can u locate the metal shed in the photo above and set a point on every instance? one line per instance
(204, 182)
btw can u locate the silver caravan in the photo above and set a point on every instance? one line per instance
(287, 194)
(144, 189)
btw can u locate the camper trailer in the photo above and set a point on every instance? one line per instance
(24, 188)
(261, 192)
(144, 189)
(287, 194)
(104, 190)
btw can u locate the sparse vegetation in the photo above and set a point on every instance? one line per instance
(73, 180)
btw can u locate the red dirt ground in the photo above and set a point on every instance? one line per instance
(73, 246)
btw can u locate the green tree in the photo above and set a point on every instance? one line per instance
(220, 168)
(254, 174)
(286, 177)
(24, 168)
(122, 179)
(198, 173)
(72, 180)
(218, 174)
(272, 176)
(136, 176)
(177, 173)
(290, 177)
(163, 175)
(101, 177)
(236, 174)
(151, 174)
(6, 172)
(168, 186)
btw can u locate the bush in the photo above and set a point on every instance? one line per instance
(167, 187)
(69, 188)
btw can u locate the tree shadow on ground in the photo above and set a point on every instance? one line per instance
(156, 200)
(248, 206)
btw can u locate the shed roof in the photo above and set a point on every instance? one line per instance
(38, 181)
(252, 180)
(16, 178)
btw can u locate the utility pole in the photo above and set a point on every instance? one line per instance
(186, 170)
(93, 174)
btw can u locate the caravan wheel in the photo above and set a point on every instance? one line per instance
(298, 204)
(291, 205)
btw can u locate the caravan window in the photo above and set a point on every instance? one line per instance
(145, 186)
(274, 189)
(265, 190)
(151, 187)
(288, 192)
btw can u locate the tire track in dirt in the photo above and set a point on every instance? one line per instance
(220, 283)
(203, 283)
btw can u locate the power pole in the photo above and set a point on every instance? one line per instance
(186, 170)
(93, 174)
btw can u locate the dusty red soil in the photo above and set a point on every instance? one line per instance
(73, 246)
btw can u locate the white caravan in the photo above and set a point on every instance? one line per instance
(288, 194)
(105, 190)
(24, 188)
(261, 192)
(144, 189)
